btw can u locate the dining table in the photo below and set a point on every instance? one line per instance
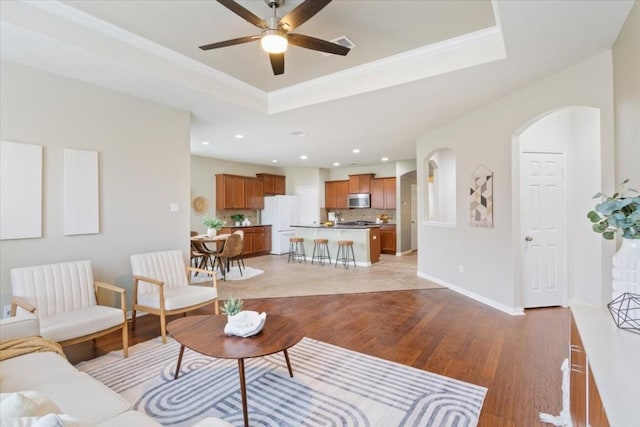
(210, 239)
(218, 239)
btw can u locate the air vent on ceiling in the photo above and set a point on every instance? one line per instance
(342, 41)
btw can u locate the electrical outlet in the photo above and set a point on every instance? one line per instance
(461, 269)
(6, 311)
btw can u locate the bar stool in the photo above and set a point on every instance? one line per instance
(296, 249)
(321, 247)
(343, 255)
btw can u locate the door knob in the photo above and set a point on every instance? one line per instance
(528, 238)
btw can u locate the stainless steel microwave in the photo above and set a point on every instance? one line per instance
(359, 201)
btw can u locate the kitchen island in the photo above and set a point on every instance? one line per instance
(366, 240)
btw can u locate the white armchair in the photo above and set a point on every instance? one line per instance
(161, 287)
(64, 299)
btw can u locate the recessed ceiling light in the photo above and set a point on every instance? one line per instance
(205, 142)
(238, 136)
(274, 161)
(356, 150)
(303, 157)
(336, 163)
(384, 159)
(297, 133)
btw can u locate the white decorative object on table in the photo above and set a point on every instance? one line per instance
(626, 268)
(245, 323)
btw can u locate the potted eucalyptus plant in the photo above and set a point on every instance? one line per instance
(619, 214)
(213, 225)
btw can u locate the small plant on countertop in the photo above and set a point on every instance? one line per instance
(232, 306)
(237, 217)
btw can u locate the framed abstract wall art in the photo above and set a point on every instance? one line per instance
(481, 203)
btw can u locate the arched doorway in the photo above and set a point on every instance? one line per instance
(557, 170)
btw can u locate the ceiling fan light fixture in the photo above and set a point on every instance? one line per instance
(274, 41)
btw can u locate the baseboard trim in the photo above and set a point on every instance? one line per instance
(513, 311)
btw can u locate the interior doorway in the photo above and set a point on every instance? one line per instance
(543, 195)
(557, 168)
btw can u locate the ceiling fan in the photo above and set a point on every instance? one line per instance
(276, 32)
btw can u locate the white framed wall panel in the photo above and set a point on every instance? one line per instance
(20, 190)
(81, 192)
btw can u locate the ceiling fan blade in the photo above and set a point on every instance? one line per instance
(231, 42)
(244, 13)
(317, 44)
(277, 63)
(301, 14)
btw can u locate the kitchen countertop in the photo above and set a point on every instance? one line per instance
(246, 226)
(361, 237)
(340, 227)
(614, 358)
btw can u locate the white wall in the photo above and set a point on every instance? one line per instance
(485, 137)
(626, 69)
(143, 167)
(585, 279)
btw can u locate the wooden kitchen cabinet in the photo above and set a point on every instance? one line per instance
(230, 191)
(597, 415)
(253, 193)
(238, 192)
(336, 194)
(374, 244)
(262, 240)
(360, 183)
(583, 413)
(383, 193)
(274, 185)
(256, 240)
(388, 239)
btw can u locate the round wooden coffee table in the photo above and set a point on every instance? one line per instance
(205, 334)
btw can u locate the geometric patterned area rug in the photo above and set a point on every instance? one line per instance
(232, 274)
(331, 386)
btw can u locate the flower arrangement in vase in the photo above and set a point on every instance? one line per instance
(213, 225)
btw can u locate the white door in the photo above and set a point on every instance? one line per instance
(414, 217)
(544, 230)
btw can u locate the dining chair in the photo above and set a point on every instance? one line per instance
(201, 255)
(196, 256)
(64, 299)
(240, 258)
(232, 248)
(161, 287)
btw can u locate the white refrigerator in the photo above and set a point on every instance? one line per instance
(281, 212)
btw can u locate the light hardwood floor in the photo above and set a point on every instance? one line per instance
(517, 358)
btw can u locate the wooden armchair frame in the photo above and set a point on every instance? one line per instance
(162, 312)
(17, 301)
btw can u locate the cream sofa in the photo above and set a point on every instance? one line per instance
(56, 386)
(82, 399)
